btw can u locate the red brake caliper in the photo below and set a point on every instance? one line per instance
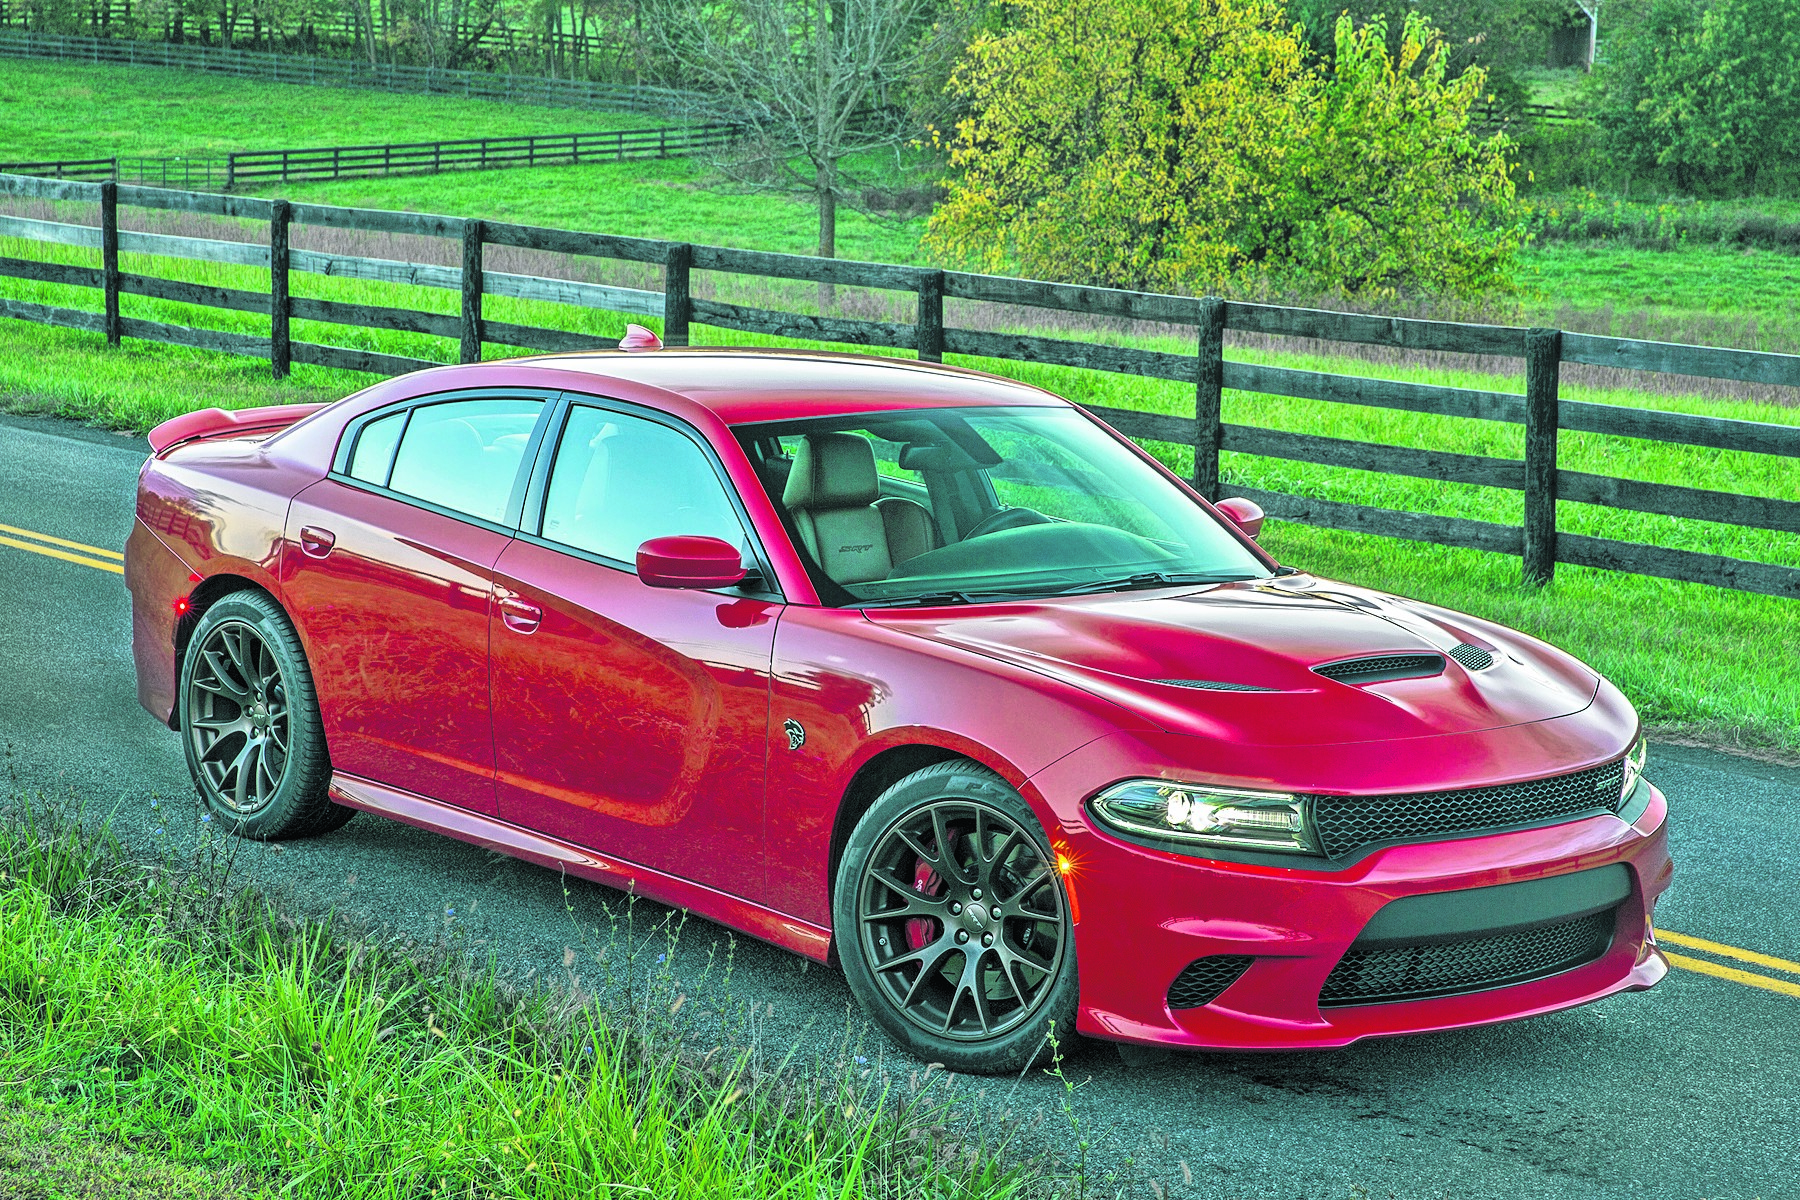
(919, 929)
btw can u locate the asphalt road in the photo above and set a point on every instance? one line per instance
(1690, 1090)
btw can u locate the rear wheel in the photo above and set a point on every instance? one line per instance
(951, 921)
(250, 723)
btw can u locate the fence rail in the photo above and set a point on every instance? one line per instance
(350, 72)
(67, 168)
(1539, 408)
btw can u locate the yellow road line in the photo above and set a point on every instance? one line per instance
(51, 552)
(1719, 948)
(96, 551)
(1749, 978)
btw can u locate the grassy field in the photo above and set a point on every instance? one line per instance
(167, 1030)
(55, 110)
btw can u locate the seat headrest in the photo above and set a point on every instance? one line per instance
(832, 470)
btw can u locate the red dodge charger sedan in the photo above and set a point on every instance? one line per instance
(911, 669)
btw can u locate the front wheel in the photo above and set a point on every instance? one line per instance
(951, 921)
(250, 723)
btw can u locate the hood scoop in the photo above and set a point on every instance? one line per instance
(1472, 658)
(1213, 685)
(1383, 667)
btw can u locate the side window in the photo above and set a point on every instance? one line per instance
(464, 454)
(620, 480)
(373, 457)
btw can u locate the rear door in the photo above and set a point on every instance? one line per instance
(629, 719)
(391, 578)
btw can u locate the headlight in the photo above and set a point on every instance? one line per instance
(1206, 816)
(1634, 766)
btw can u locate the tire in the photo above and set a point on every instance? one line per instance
(250, 723)
(965, 962)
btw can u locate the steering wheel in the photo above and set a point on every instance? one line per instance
(1006, 518)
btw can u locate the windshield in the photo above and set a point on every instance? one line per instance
(956, 504)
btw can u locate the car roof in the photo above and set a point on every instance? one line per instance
(746, 385)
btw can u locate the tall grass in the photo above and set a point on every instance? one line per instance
(168, 1003)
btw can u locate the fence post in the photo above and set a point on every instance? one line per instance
(1209, 385)
(109, 256)
(230, 171)
(1543, 359)
(281, 354)
(929, 327)
(470, 350)
(678, 295)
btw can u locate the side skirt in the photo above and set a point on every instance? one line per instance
(790, 933)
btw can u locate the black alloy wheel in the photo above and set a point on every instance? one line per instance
(250, 723)
(952, 922)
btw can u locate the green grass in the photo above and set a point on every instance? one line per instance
(57, 110)
(157, 1016)
(676, 199)
(47, 1155)
(1719, 280)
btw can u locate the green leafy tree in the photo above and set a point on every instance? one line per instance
(1709, 93)
(1196, 146)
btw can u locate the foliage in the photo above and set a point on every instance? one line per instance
(1195, 146)
(820, 82)
(600, 39)
(1708, 93)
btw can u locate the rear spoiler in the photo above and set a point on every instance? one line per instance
(218, 422)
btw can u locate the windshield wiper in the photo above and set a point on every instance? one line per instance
(1150, 579)
(931, 599)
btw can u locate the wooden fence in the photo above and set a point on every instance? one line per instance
(398, 158)
(351, 72)
(1539, 408)
(426, 158)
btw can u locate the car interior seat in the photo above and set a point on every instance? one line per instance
(849, 528)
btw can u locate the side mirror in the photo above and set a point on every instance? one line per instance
(1247, 515)
(689, 561)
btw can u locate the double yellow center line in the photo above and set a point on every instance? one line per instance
(97, 557)
(1706, 966)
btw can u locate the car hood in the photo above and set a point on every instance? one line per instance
(1132, 647)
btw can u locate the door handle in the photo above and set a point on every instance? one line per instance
(316, 542)
(521, 616)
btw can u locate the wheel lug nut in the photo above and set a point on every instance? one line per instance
(976, 893)
(987, 939)
(962, 935)
(956, 908)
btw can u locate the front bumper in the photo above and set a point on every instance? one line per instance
(1145, 914)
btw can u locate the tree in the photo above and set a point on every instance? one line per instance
(1710, 93)
(1195, 145)
(820, 82)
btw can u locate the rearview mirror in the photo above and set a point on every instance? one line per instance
(689, 561)
(1247, 515)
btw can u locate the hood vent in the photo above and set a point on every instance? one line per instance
(1213, 685)
(1473, 658)
(1383, 667)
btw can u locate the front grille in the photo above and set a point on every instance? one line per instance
(1201, 981)
(1346, 824)
(1383, 667)
(1213, 685)
(1471, 965)
(1473, 658)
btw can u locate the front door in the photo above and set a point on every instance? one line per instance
(391, 577)
(629, 719)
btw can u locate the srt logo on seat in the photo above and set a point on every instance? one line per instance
(856, 549)
(796, 733)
